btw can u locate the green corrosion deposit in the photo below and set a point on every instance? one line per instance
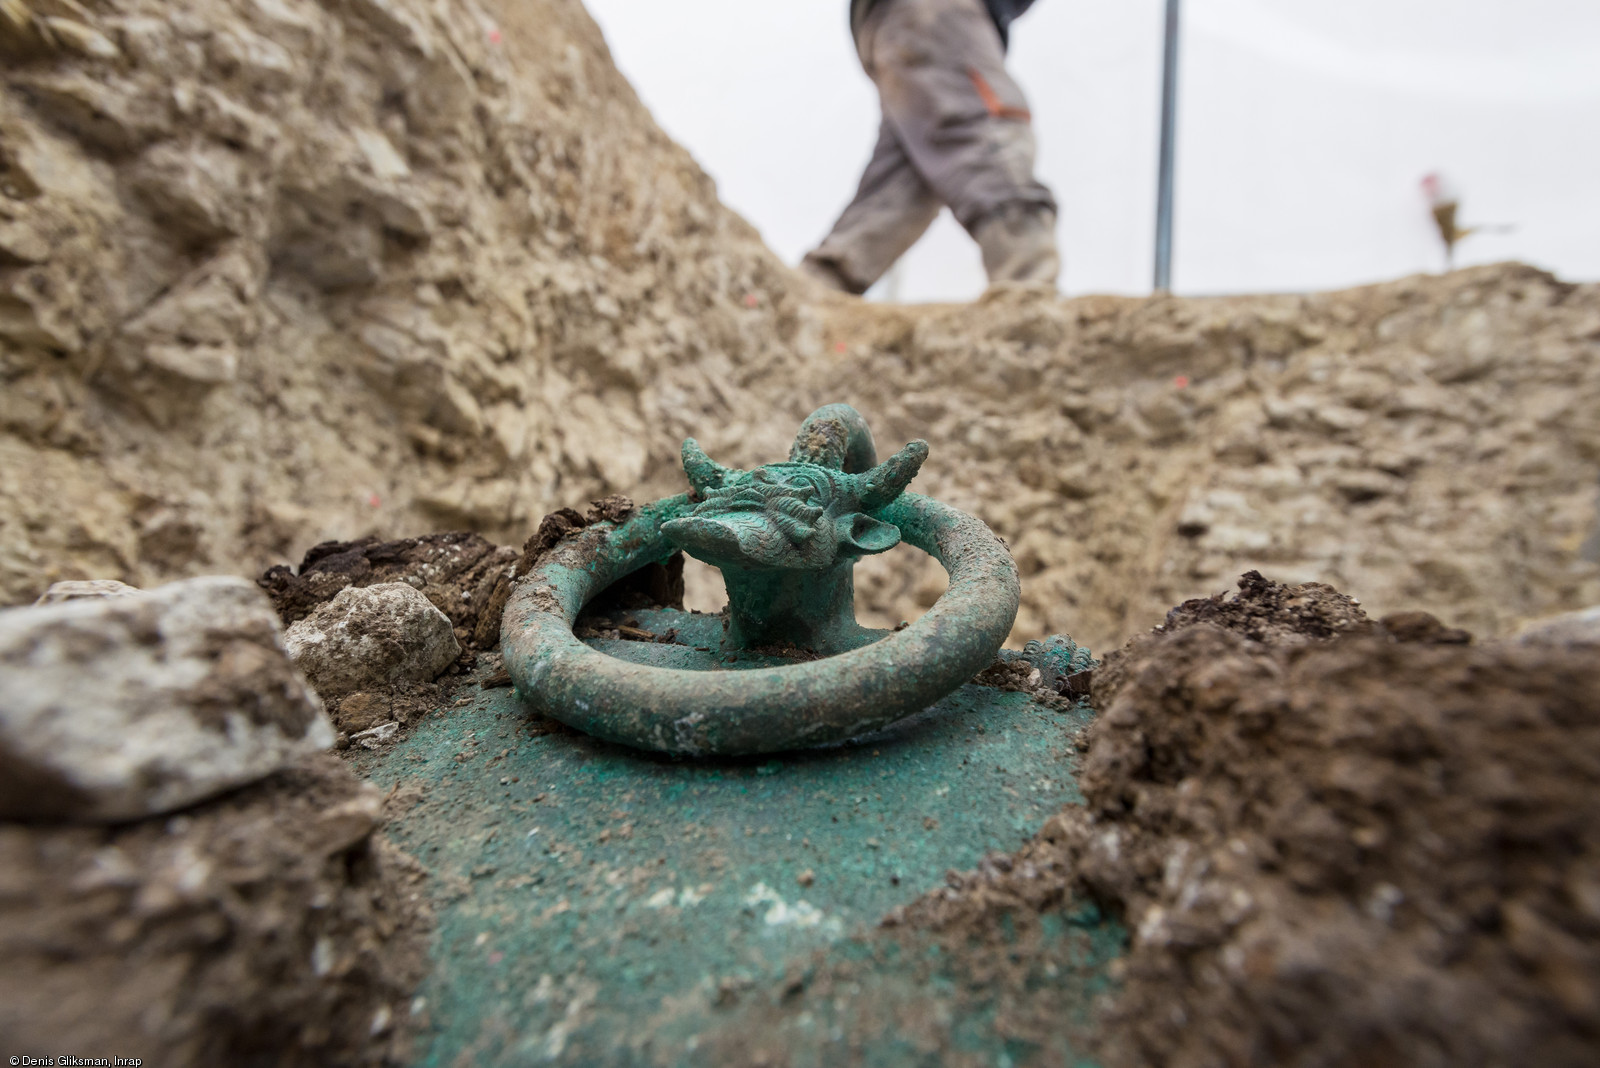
(786, 537)
(600, 905)
(678, 849)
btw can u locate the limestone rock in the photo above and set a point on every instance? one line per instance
(1568, 628)
(377, 736)
(371, 637)
(119, 707)
(306, 239)
(463, 575)
(86, 589)
(269, 925)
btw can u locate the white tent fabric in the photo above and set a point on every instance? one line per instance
(1304, 131)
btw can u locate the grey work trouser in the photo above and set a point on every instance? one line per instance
(955, 131)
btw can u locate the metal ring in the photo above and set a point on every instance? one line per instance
(760, 710)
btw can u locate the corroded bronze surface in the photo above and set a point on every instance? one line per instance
(786, 536)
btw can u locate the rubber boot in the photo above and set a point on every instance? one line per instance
(1019, 244)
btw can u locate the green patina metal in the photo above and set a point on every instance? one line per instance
(786, 536)
(600, 905)
(1057, 657)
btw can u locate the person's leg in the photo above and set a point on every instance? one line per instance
(1018, 242)
(893, 207)
(964, 123)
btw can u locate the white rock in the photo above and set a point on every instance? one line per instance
(120, 707)
(81, 39)
(86, 589)
(372, 739)
(1569, 628)
(371, 637)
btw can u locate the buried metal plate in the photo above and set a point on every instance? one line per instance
(605, 900)
(599, 905)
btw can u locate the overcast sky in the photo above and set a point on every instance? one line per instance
(1305, 128)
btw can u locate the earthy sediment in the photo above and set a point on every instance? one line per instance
(271, 926)
(279, 273)
(1335, 842)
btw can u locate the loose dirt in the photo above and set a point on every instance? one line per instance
(1335, 841)
(460, 574)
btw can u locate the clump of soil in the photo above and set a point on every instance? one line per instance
(464, 576)
(563, 521)
(271, 926)
(1268, 612)
(404, 704)
(468, 579)
(461, 574)
(656, 585)
(1334, 842)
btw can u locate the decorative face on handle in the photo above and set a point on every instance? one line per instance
(786, 536)
(786, 517)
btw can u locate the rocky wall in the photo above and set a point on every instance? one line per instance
(1431, 443)
(275, 272)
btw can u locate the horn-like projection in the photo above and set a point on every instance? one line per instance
(704, 472)
(837, 437)
(889, 479)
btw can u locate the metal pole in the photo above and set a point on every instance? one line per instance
(1169, 135)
